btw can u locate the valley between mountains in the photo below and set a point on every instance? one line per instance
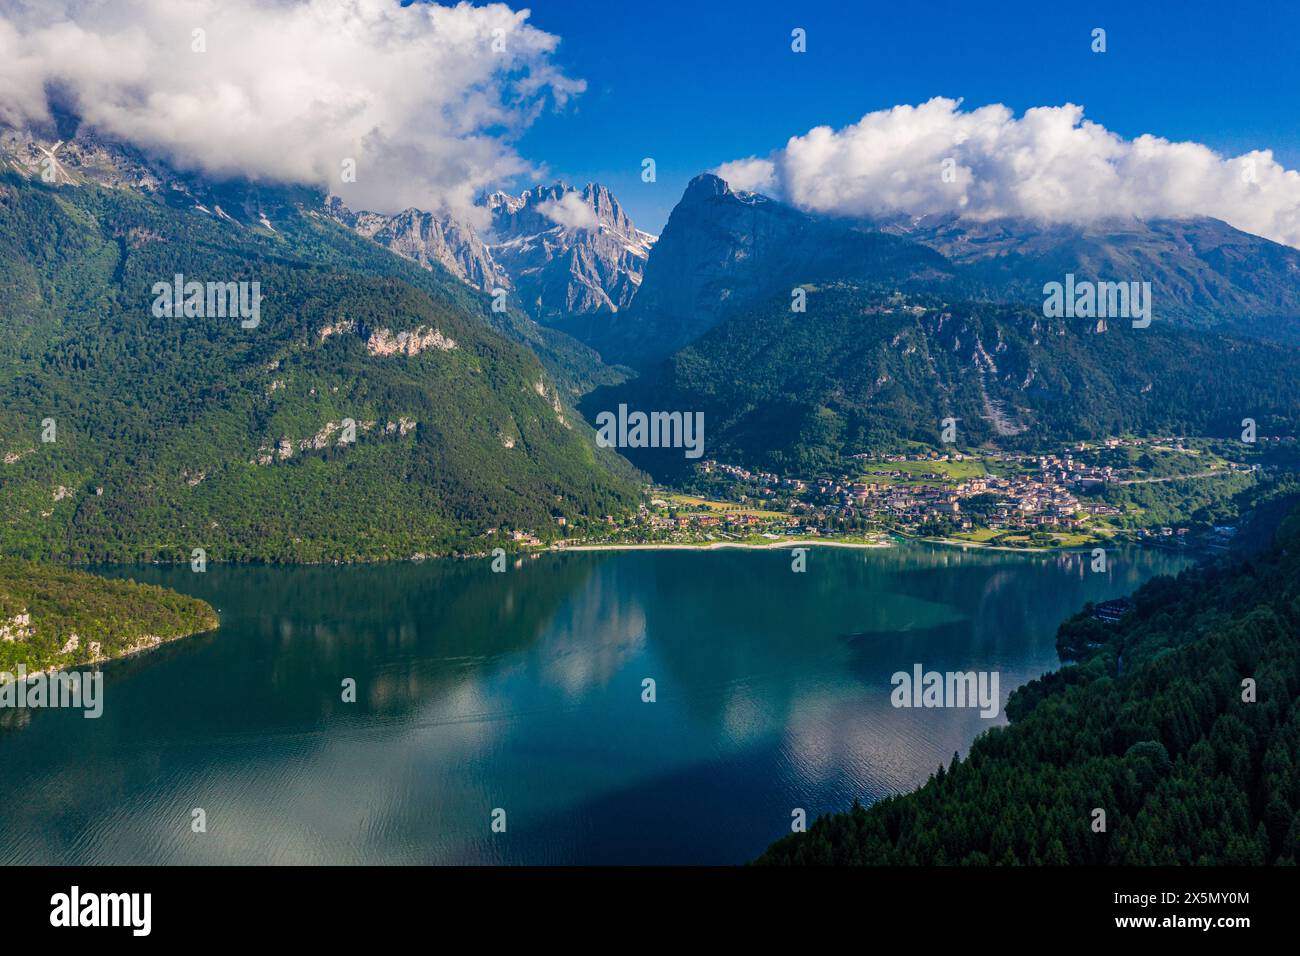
(420, 384)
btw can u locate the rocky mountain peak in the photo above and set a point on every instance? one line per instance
(570, 252)
(543, 208)
(564, 252)
(704, 187)
(724, 250)
(427, 238)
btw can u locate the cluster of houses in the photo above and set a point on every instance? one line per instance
(737, 473)
(1042, 497)
(1030, 492)
(1022, 502)
(1033, 492)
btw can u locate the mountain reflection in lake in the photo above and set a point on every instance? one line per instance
(523, 691)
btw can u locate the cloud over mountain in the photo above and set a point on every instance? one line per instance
(425, 99)
(569, 211)
(1050, 165)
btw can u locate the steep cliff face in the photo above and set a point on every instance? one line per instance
(428, 239)
(561, 252)
(724, 250)
(906, 322)
(568, 252)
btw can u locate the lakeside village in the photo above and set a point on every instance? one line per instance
(1087, 493)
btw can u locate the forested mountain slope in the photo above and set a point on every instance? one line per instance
(725, 252)
(176, 433)
(864, 368)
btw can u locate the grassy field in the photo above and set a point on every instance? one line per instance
(1061, 540)
(918, 472)
(729, 507)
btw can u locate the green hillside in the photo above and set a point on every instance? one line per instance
(171, 432)
(52, 616)
(864, 370)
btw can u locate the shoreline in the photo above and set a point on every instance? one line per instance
(958, 542)
(1063, 549)
(716, 545)
(151, 643)
(891, 540)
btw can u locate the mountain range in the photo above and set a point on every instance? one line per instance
(574, 260)
(561, 252)
(803, 338)
(375, 409)
(1203, 271)
(723, 250)
(69, 153)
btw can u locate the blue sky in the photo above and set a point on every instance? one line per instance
(697, 84)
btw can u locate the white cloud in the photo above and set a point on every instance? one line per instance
(569, 211)
(752, 175)
(289, 89)
(1049, 164)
